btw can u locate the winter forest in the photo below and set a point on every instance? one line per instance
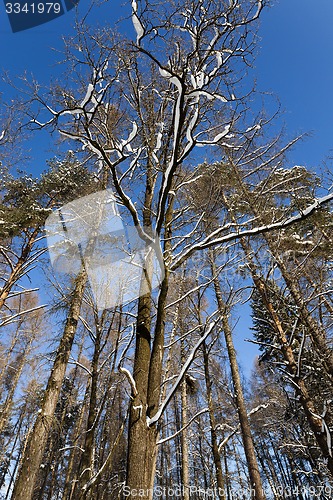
(122, 379)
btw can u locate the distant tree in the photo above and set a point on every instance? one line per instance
(25, 203)
(63, 179)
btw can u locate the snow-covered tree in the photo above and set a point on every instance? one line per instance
(151, 112)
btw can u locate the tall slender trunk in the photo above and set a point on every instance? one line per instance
(213, 433)
(249, 449)
(74, 458)
(227, 479)
(9, 352)
(268, 467)
(13, 472)
(305, 400)
(37, 439)
(184, 435)
(5, 470)
(317, 333)
(7, 406)
(86, 469)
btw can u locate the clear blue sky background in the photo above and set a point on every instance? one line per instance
(295, 61)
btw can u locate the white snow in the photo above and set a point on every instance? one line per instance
(130, 379)
(140, 31)
(88, 95)
(210, 241)
(155, 418)
(164, 73)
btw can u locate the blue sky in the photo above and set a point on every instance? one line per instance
(31, 49)
(295, 62)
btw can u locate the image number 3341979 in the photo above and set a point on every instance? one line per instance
(24, 14)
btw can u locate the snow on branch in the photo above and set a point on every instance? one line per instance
(164, 440)
(157, 416)
(127, 142)
(22, 292)
(138, 26)
(94, 478)
(74, 447)
(226, 439)
(130, 379)
(236, 429)
(209, 241)
(100, 152)
(325, 429)
(86, 108)
(88, 96)
(190, 292)
(300, 353)
(15, 317)
(259, 9)
(75, 362)
(216, 139)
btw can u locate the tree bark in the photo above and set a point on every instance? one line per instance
(213, 434)
(142, 448)
(37, 439)
(314, 421)
(86, 468)
(184, 436)
(249, 449)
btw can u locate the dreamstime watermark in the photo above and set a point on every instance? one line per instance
(24, 14)
(89, 233)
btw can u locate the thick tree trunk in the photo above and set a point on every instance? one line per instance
(37, 439)
(140, 455)
(142, 449)
(147, 374)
